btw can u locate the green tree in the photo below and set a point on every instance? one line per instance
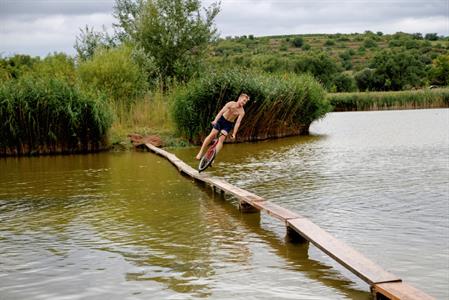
(417, 36)
(329, 42)
(398, 70)
(439, 73)
(370, 43)
(365, 80)
(344, 83)
(431, 36)
(173, 33)
(56, 65)
(89, 40)
(346, 59)
(14, 67)
(298, 42)
(114, 73)
(321, 65)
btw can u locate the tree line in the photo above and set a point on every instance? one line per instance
(345, 62)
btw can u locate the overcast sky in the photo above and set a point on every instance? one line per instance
(39, 27)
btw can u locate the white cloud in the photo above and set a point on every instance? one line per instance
(325, 16)
(38, 27)
(429, 24)
(45, 34)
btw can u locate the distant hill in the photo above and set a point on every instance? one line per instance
(329, 54)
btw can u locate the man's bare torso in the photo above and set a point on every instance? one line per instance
(233, 111)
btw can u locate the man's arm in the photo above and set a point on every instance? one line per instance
(237, 125)
(220, 113)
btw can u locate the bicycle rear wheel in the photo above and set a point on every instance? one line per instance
(207, 159)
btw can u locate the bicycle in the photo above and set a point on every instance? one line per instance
(209, 156)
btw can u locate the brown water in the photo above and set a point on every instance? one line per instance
(129, 226)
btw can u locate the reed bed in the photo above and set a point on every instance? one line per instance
(50, 116)
(280, 105)
(429, 98)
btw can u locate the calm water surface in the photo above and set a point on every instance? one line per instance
(129, 226)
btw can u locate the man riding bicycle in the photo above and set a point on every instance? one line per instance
(228, 118)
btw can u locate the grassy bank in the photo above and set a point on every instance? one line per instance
(429, 98)
(150, 115)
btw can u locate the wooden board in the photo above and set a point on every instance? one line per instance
(231, 189)
(275, 210)
(342, 253)
(400, 291)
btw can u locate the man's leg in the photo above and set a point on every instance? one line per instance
(221, 140)
(207, 141)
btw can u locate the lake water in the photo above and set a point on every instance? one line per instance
(129, 226)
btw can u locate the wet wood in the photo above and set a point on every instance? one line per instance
(399, 291)
(301, 229)
(342, 253)
(276, 211)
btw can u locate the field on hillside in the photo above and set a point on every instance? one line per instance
(343, 62)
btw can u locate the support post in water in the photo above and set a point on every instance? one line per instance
(246, 207)
(294, 237)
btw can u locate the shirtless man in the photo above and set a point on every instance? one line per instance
(225, 121)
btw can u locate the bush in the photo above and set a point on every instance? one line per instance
(329, 42)
(57, 65)
(306, 47)
(280, 105)
(432, 36)
(346, 59)
(439, 73)
(397, 70)
(366, 80)
(298, 42)
(18, 65)
(50, 116)
(369, 43)
(114, 73)
(270, 63)
(344, 83)
(321, 65)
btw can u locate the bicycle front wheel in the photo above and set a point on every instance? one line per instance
(206, 160)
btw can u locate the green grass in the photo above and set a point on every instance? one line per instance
(149, 115)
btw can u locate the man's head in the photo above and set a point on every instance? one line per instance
(243, 98)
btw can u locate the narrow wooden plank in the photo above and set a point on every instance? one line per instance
(253, 199)
(275, 210)
(157, 150)
(182, 166)
(342, 253)
(400, 291)
(231, 189)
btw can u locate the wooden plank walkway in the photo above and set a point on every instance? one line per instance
(381, 282)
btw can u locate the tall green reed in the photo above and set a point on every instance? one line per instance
(280, 105)
(50, 116)
(431, 98)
